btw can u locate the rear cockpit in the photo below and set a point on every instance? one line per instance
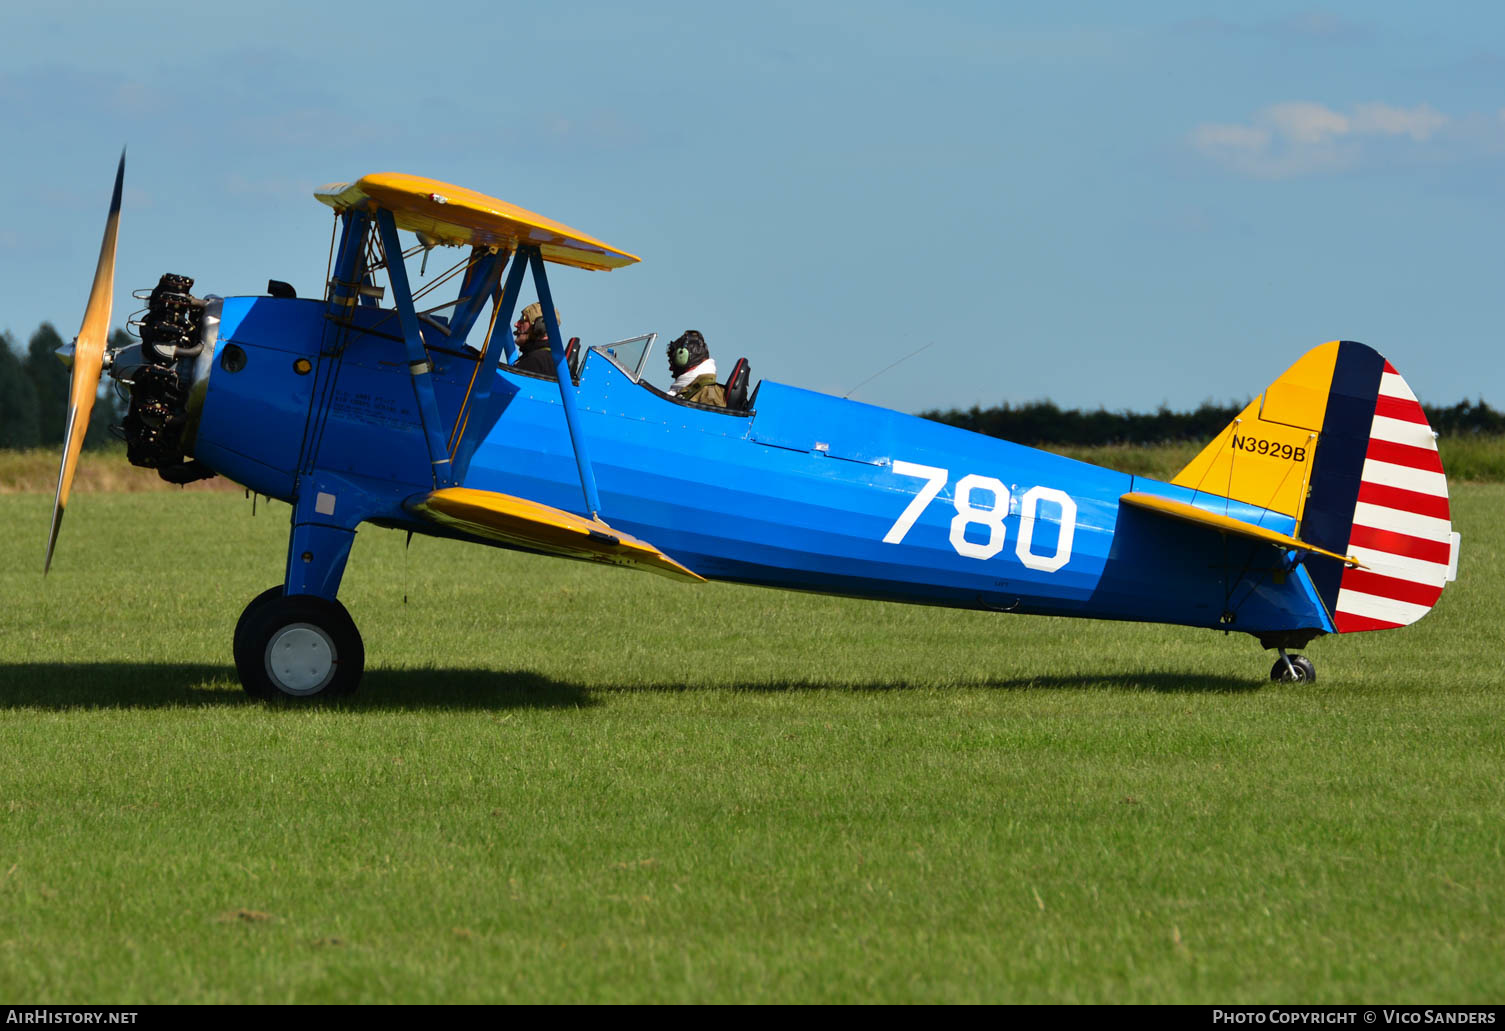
(631, 356)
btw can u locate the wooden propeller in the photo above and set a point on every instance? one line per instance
(88, 361)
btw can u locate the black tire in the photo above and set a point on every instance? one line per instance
(297, 648)
(1306, 673)
(242, 655)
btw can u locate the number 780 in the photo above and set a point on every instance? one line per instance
(992, 517)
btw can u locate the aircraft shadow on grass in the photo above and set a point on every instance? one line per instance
(173, 685)
(111, 685)
(1160, 683)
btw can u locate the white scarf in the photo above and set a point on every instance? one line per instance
(690, 375)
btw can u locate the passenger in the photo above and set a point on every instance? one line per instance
(532, 335)
(694, 371)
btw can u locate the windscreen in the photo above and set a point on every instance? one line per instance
(629, 355)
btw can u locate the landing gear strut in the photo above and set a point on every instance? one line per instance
(1293, 669)
(297, 647)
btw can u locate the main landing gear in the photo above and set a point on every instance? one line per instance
(1293, 669)
(296, 642)
(297, 647)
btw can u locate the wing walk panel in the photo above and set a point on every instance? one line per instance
(518, 521)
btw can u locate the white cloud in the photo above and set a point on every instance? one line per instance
(1303, 122)
(1311, 28)
(1300, 137)
(1317, 25)
(1419, 123)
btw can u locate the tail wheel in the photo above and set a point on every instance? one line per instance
(297, 647)
(1300, 671)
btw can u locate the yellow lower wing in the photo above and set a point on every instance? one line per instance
(1227, 524)
(510, 520)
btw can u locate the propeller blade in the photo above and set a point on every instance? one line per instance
(88, 361)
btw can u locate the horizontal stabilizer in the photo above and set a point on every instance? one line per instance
(527, 524)
(1226, 524)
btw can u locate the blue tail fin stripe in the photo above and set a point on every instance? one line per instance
(1339, 464)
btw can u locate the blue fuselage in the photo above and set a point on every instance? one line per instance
(807, 491)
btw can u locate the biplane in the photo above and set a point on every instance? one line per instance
(1322, 508)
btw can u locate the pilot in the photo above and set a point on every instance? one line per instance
(532, 336)
(694, 370)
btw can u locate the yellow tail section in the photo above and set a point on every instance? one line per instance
(1264, 457)
(1373, 514)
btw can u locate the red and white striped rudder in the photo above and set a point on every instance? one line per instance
(1402, 532)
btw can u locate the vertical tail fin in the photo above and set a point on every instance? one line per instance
(1340, 443)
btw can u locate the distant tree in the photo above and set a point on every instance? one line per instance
(1043, 422)
(50, 378)
(1465, 418)
(19, 418)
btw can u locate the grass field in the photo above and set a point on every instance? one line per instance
(567, 783)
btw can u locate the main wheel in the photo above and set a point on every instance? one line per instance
(1306, 673)
(297, 647)
(242, 656)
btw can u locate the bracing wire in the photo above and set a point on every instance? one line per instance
(881, 371)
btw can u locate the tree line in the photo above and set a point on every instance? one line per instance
(34, 393)
(1043, 422)
(34, 405)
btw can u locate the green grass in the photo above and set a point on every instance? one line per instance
(1481, 459)
(100, 468)
(1160, 461)
(567, 783)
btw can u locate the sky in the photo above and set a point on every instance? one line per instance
(1103, 204)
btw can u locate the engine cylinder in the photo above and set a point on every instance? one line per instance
(172, 335)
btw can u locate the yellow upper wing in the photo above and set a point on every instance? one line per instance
(456, 216)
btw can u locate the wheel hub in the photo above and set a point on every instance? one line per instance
(301, 658)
